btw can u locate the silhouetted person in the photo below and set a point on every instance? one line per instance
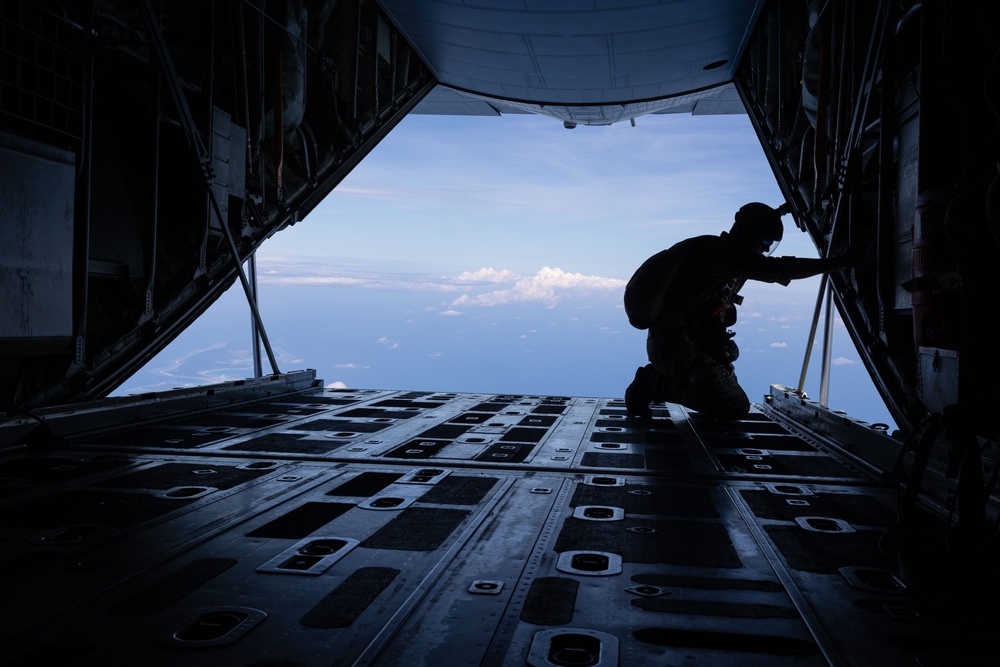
(686, 296)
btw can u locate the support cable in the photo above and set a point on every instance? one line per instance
(197, 146)
(824, 382)
(254, 335)
(824, 280)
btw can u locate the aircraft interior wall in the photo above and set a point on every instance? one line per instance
(881, 124)
(171, 139)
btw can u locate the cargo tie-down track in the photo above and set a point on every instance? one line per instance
(295, 525)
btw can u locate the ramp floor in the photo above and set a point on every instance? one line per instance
(369, 527)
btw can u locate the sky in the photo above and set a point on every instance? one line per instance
(489, 255)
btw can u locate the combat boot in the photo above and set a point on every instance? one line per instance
(639, 394)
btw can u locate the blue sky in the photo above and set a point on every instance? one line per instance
(490, 254)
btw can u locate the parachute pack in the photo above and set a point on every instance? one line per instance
(648, 287)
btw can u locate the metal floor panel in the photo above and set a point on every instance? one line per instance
(357, 527)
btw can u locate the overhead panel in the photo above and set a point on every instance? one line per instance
(444, 101)
(557, 54)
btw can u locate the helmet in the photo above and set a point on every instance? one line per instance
(758, 223)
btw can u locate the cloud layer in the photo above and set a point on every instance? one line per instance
(484, 287)
(547, 286)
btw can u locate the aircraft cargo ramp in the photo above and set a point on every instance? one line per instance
(274, 522)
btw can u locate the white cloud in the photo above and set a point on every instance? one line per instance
(488, 275)
(844, 361)
(779, 345)
(547, 286)
(350, 366)
(336, 385)
(450, 312)
(393, 344)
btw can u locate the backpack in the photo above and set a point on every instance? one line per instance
(648, 287)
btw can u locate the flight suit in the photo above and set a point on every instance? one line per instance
(689, 347)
